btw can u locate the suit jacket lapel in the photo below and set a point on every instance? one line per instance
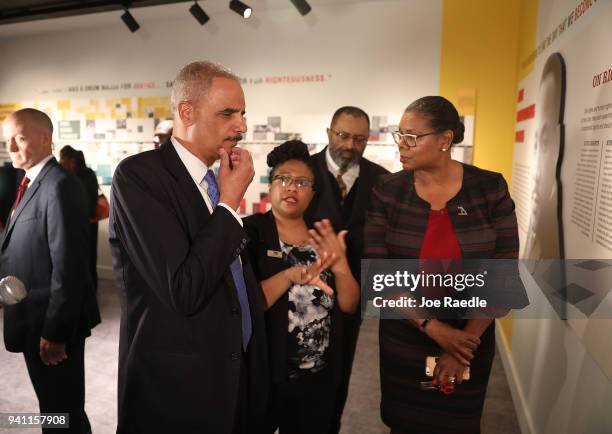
(362, 193)
(272, 242)
(27, 197)
(326, 206)
(178, 170)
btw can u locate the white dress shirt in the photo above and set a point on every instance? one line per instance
(197, 170)
(33, 171)
(349, 177)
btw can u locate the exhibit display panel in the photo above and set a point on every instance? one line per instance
(562, 186)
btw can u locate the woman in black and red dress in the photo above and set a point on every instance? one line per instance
(437, 208)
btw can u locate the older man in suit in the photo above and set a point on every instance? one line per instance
(192, 354)
(45, 244)
(344, 182)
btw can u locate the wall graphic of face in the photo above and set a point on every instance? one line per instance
(545, 236)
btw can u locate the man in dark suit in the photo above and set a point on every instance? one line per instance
(45, 244)
(192, 354)
(344, 181)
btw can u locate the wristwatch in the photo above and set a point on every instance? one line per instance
(424, 324)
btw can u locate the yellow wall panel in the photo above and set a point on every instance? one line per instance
(486, 47)
(7, 108)
(63, 104)
(479, 50)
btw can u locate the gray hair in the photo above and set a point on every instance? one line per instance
(195, 79)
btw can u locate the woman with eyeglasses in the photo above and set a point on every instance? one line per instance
(307, 283)
(437, 208)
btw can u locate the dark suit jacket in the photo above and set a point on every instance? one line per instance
(8, 190)
(180, 340)
(326, 204)
(263, 234)
(45, 244)
(482, 214)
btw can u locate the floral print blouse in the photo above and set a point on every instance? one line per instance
(309, 317)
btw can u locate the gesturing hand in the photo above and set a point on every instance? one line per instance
(324, 239)
(235, 174)
(52, 353)
(311, 275)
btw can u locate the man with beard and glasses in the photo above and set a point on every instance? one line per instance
(344, 182)
(192, 345)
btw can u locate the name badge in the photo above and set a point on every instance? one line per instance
(275, 254)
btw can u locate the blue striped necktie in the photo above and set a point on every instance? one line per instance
(236, 267)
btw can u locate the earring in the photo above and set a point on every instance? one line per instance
(444, 149)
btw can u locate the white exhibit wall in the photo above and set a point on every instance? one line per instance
(376, 54)
(561, 370)
(379, 55)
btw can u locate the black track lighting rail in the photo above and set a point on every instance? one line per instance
(42, 10)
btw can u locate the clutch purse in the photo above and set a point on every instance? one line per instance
(102, 207)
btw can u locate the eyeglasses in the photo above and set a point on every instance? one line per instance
(409, 139)
(358, 139)
(286, 180)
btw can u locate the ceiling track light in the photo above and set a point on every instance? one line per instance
(302, 6)
(129, 21)
(240, 8)
(199, 14)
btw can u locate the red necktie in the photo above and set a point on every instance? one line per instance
(20, 191)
